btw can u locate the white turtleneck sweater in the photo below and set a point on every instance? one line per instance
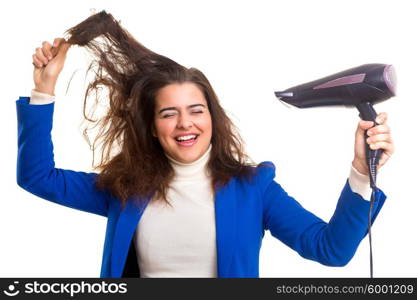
(180, 240)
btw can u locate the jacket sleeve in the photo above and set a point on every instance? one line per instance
(36, 172)
(333, 243)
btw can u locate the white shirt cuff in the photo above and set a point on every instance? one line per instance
(39, 98)
(360, 183)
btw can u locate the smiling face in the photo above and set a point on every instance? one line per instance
(182, 121)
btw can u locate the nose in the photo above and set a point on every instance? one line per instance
(184, 122)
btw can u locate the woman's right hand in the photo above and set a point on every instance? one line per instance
(48, 62)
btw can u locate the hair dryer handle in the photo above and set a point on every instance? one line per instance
(368, 113)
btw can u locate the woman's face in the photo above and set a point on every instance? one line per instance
(182, 121)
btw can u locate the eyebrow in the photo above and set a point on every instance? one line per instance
(174, 108)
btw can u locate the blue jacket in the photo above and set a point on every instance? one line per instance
(243, 209)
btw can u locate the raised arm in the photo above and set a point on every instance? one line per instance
(36, 172)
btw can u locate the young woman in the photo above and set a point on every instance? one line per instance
(181, 197)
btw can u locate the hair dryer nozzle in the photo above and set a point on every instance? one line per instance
(283, 94)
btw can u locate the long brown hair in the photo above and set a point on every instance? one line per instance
(133, 75)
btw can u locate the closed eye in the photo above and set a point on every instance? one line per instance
(168, 116)
(172, 114)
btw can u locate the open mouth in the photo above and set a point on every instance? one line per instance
(187, 140)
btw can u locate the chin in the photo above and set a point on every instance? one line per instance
(188, 157)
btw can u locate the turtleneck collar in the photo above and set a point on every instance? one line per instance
(195, 170)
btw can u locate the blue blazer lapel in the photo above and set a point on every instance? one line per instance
(226, 209)
(126, 226)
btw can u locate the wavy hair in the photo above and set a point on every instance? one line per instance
(133, 163)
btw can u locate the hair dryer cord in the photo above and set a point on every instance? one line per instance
(372, 165)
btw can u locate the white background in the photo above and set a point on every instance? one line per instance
(248, 50)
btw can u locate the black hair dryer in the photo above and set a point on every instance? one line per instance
(361, 86)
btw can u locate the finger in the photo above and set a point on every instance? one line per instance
(379, 129)
(379, 138)
(36, 62)
(381, 118)
(366, 124)
(58, 41)
(46, 48)
(40, 56)
(387, 147)
(63, 48)
(383, 159)
(363, 126)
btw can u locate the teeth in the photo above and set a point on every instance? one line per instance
(186, 137)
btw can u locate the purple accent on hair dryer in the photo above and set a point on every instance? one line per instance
(351, 79)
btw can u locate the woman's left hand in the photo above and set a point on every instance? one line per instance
(378, 137)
